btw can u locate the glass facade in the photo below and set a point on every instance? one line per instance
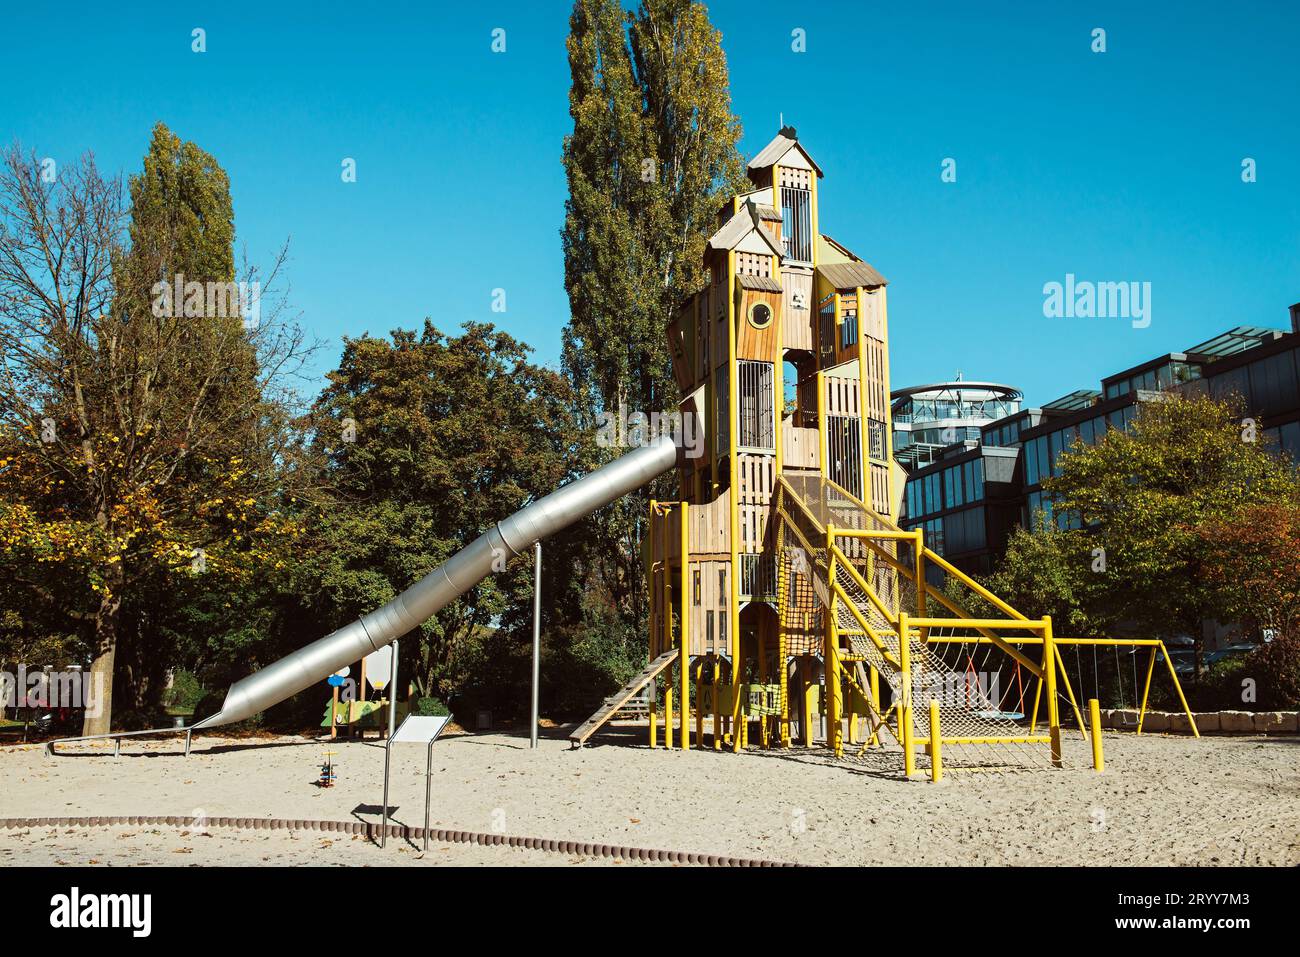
(949, 502)
(945, 489)
(1172, 373)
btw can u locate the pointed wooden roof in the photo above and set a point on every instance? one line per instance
(740, 227)
(775, 151)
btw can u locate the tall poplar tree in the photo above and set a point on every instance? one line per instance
(651, 159)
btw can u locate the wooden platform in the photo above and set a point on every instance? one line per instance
(615, 702)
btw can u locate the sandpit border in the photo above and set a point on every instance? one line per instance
(366, 828)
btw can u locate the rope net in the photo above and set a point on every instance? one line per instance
(873, 581)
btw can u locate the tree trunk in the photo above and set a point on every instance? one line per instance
(99, 717)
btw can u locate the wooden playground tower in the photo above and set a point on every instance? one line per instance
(781, 577)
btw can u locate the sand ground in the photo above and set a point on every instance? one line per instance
(1163, 800)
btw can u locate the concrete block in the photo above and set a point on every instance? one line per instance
(1275, 722)
(1124, 719)
(1207, 722)
(1155, 721)
(1236, 722)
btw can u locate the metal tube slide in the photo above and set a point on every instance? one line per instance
(490, 551)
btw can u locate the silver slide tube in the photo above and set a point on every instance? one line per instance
(490, 551)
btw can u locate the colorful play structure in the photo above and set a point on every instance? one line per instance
(783, 591)
(781, 584)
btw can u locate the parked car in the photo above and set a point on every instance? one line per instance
(1184, 660)
(1239, 650)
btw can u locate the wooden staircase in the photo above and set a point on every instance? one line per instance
(615, 702)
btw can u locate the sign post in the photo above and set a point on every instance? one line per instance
(415, 729)
(537, 636)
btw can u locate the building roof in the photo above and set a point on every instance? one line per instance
(774, 152)
(1078, 399)
(958, 385)
(851, 275)
(738, 227)
(768, 213)
(1235, 340)
(761, 283)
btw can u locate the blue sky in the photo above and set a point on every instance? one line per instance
(1115, 166)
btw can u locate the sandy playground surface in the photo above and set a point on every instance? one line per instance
(1163, 800)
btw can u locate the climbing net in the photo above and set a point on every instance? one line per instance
(869, 587)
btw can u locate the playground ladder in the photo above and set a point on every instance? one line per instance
(615, 702)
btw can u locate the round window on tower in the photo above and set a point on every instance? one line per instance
(760, 315)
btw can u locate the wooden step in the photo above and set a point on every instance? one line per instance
(615, 702)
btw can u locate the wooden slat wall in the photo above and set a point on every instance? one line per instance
(842, 396)
(703, 330)
(754, 343)
(799, 178)
(875, 359)
(754, 264)
(756, 480)
(880, 488)
(798, 446)
(708, 526)
(714, 581)
(873, 318)
(797, 324)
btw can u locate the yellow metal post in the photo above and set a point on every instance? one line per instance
(1146, 690)
(668, 710)
(738, 721)
(1094, 720)
(875, 701)
(1173, 676)
(654, 717)
(717, 717)
(685, 659)
(699, 706)
(1049, 683)
(905, 696)
(936, 744)
(834, 727)
(809, 685)
(919, 573)
(1069, 691)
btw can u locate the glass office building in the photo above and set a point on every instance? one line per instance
(969, 494)
(929, 418)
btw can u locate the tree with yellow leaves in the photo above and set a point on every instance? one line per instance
(143, 433)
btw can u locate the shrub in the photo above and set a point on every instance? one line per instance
(429, 706)
(185, 692)
(1276, 668)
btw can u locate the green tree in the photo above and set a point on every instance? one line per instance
(651, 159)
(138, 447)
(1141, 497)
(430, 439)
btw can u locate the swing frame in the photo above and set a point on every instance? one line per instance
(1155, 644)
